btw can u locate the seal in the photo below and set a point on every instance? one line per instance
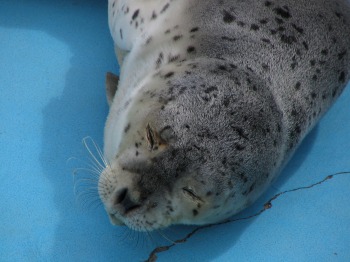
(213, 99)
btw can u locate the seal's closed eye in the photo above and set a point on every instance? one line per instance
(189, 192)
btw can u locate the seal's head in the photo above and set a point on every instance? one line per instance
(200, 141)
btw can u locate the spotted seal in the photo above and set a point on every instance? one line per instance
(213, 99)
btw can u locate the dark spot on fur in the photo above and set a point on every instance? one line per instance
(173, 58)
(305, 45)
(339, 15)
(240, 132)
(222, 67)
(334, 93)
(226, 101)
(324, 52)
(254, 27)
(250, 69)
(263, 21)
(194, 29)
(313, 95)
(312, 62)
(299, 29)
(243, 177)
(167, 31)
(127, 128)
(314, 77)
(191, 49)
(281, 29)
(279, 129)
(239, 147)
(341, 55)
(211, 89)
(240, 23)
(136, 13)
(154, 15)
(279, 20)
(228, 18)
(268, 3)
(293, 65)
(284, 13)
(297, 86)
(233, 66)
(288, 39)
(265, 40)
(159, 59)
(121, 33)
(149, 39)
(251, 188)
(230, 39)
(265, 66)
(230, 185)
(164, 8)
(177, 37)
(195, 212)
(342, 77)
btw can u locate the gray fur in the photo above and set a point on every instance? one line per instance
(232, 104)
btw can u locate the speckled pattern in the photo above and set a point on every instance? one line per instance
(213, 99)
(53, 60)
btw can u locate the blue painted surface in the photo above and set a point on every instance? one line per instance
(53, 58)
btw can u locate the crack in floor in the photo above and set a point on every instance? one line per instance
(153, 255)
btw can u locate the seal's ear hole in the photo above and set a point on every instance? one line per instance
(153, 139)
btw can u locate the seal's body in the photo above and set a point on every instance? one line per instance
(213, 99)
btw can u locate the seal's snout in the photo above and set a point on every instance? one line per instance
(123, 201)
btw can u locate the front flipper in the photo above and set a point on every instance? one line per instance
(111, 86)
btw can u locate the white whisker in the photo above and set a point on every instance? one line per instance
(90, 152)
(165, 236)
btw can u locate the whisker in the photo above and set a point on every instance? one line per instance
(95, 166)
(150, 238)
(90, 152)
(82, 169)
(99, 152)
(159, 231)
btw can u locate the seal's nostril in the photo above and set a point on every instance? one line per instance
(120, 196)
(124, 201)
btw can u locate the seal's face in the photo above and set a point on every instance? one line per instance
(155, 181)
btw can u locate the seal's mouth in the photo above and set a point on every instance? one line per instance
(115, 221)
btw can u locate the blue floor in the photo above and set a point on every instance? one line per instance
(53, 59)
